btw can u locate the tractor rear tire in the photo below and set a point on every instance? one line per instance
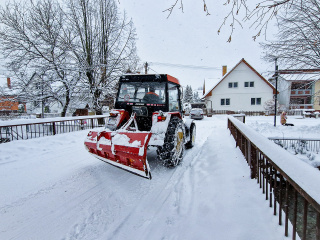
(171, 153)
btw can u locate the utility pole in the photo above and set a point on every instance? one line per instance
(146, 68)
(276, 95)
(42, 103)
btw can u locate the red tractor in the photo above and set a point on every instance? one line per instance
(148, 112)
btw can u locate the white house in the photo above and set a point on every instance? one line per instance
(241, 89)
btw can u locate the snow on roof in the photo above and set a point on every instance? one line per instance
(3, 81)
(4, 86)
(210, 83)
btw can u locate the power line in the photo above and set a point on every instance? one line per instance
(185, 66)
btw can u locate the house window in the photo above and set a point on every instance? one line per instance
(258, 101)
(255, 101)
(225, 101)
(248, 84)
(233, 84)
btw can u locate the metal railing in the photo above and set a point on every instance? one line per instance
(284, 193)
(309, 144)
(46, 127)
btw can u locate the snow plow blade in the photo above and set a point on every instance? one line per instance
(123, 149)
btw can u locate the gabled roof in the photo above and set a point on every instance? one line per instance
(245, 62)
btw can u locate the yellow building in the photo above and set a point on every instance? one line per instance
(316, 102)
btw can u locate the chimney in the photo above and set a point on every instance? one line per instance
(224, 70)
(9, 82)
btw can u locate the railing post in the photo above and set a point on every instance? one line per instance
(305, 220)
(318, 227)
(295, 212)
(54, 128)
(270, 184)
(280, 200)
(287, 209)
(249, 155)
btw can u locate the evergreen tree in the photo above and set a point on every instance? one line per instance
(188, 96)
(196, 97)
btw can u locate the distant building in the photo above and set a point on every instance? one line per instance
(241, 89)
(316, 102)
(9, 100)
(297, 93)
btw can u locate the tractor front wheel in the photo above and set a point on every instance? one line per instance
(171, 153)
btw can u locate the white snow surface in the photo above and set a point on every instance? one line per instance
(51, 188)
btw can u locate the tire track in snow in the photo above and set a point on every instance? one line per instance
(164, 192)
(184, 187)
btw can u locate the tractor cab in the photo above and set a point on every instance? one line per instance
(146, 94)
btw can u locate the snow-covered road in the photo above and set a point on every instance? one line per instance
(51, 188)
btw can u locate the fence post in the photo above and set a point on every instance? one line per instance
(54, 128)
(318, 227)
(253, 160)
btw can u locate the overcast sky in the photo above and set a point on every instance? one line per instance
(190, 38)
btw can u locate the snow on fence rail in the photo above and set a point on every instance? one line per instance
(34, 128)
(290, 185)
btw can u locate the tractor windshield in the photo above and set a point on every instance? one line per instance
(142, 92)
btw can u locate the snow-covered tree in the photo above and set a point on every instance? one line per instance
(188, 95)
(79, 48)
(196, 97)
(257, 13)
(103, 46)
(31, 42)
(269, 106)
(297, 44)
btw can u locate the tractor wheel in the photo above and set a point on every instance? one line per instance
(171, 153)
(191, 143)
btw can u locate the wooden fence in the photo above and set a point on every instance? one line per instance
(294, 195)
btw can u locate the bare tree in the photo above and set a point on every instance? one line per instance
(103, 46)
(258, 14)
(30, 39)
(298, 39)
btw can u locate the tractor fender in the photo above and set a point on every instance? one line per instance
(117, 118)
(160, 122)
(159, 128)
(187, 124)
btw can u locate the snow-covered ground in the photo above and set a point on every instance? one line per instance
(51, 188)
(304, 128)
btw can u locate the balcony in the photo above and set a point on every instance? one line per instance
(301, 92)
